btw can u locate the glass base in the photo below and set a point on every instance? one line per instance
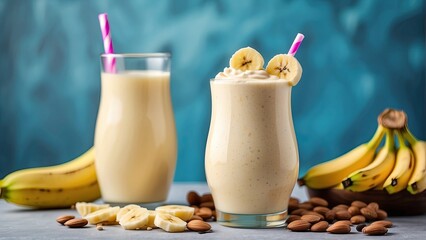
(271, 220)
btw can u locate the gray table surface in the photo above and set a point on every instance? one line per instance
(21, 223)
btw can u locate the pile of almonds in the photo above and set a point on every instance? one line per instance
(204, 211)
(316, 216)
(203, 205)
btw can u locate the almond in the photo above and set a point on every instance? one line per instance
(208, 205)
(341, 207)
(311, 218)
(343, 215)
(195, 217)
(198, 226)
(306, 205)
(359, 204)
(205, 213)
(299, 226)
(64, 218)
(345, 222)
(320, 226)
(193, 198)
(299, 211)
(375, 230)
(373, 205)
(383, 223)
(316, 201)
(196, 208)
(207, 197)
(314, 213)
(292, 218)
(293, 204)
(357, 219)
(354, 210)
(76, 223)
(381, 214)
(339, 229)
(368, 213)
(321, 210)
(329, 216)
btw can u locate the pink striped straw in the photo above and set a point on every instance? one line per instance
(106, 37)
(296, 44)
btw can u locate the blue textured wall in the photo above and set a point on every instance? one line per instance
(359, 57)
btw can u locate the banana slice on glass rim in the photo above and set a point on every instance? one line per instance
(285, 67)
(246, 59)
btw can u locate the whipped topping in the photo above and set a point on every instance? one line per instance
(233, 73)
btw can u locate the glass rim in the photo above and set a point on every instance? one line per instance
(136, 55)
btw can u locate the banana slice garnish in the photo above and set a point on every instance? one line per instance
(169, 223)
(151, 219)
(103, 215)
(125, 210)
(246, 59)
(135, 218)
(285, 67)
(84, 208)
(183, 212)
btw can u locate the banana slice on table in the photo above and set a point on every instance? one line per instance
(84, 208)
(125, 210)
(103, 215)
(169, 223)
(246, 59)
(285, 67)
(136, 218)
(183, 212)
(151, 219)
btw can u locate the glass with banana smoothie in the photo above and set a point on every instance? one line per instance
(251, 158)
(135, 136)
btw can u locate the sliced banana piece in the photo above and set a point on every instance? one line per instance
(136, 218)
(84, 208)
(151, 219)
(103, 215)
(246, 59)
(125, 210)
(285, 67)
(169, 223)
(183, 212)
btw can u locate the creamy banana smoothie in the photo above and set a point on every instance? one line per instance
(251, 159)
(135, 138)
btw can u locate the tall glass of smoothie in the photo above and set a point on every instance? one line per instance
(251, 159)
(135, 136)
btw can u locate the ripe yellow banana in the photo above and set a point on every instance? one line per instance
(331, 173)
(417, 182)
(55, 186)
(376, 172)
(404, 166)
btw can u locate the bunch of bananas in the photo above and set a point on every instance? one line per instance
(366, 167)
(57, 186)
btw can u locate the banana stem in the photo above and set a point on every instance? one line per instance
(377, 138)
(409, 136)
(401, 139)
(389, 144)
